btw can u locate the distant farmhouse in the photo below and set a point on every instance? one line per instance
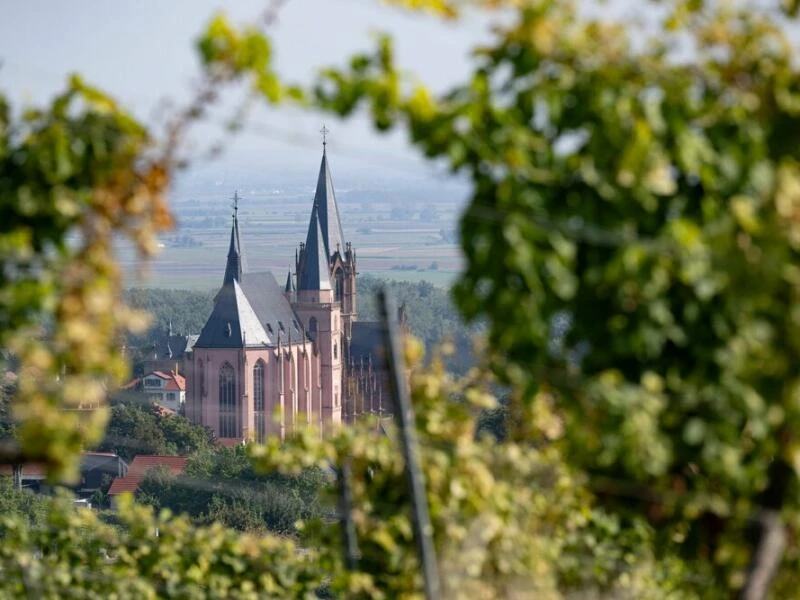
(274, 357)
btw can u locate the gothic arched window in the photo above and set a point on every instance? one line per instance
(201, 375)
(312, 328)
(338, 277)
(227, 402)
(258, 400)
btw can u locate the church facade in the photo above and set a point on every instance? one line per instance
(273, 357)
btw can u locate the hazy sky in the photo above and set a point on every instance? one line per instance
(141, 51)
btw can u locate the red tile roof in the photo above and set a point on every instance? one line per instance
(138, 470)
(175, 382)
(29, 470)
(39, 470)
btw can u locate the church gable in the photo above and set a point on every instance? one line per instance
(233, 322)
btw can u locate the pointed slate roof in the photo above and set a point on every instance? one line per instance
(233, 322)
(314, 275)
(289, 283)
(236, 263)
(325, 202)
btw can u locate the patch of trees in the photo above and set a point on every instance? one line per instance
(221, 485)
(137, 427)
(29, 507)
(187, 310)
(432, 317)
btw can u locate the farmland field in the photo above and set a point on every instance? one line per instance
(402, 232)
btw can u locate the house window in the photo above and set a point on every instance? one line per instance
(258, 400)
(227, 402)
(171, 397)
(153, 382)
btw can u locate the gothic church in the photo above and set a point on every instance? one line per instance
(271, 358)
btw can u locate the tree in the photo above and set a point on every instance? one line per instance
(497, 529)
(76, 555)
(631, 241)
(185, 310)
(432, 317)
(28, 508)
(137, 427)
(220, 485)
(652, 200)
(76, 169)
(73, 177)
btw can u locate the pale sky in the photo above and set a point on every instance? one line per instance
(141, 51)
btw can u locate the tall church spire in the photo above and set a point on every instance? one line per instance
(236, 263)
(325, 204)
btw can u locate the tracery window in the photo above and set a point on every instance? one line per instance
(202, 376)
(227, 402)
(339, 286)
(312, 328)
(258, 401)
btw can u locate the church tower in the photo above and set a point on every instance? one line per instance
(275, 357)
(325, 298)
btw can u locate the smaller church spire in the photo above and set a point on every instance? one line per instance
(289, 283)
(235, 265)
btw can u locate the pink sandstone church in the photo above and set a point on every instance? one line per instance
(271, 358)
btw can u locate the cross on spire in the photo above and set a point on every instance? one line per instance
(235, 203)
(324, 131)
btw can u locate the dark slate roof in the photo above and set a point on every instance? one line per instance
(314, 275)
(270, 305)
(325, 202)
(258, 313)
(172, 346)
(233, 322)
(95, 465)
(367, 343)
(289, 283)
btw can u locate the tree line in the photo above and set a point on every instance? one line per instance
(432, 315)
